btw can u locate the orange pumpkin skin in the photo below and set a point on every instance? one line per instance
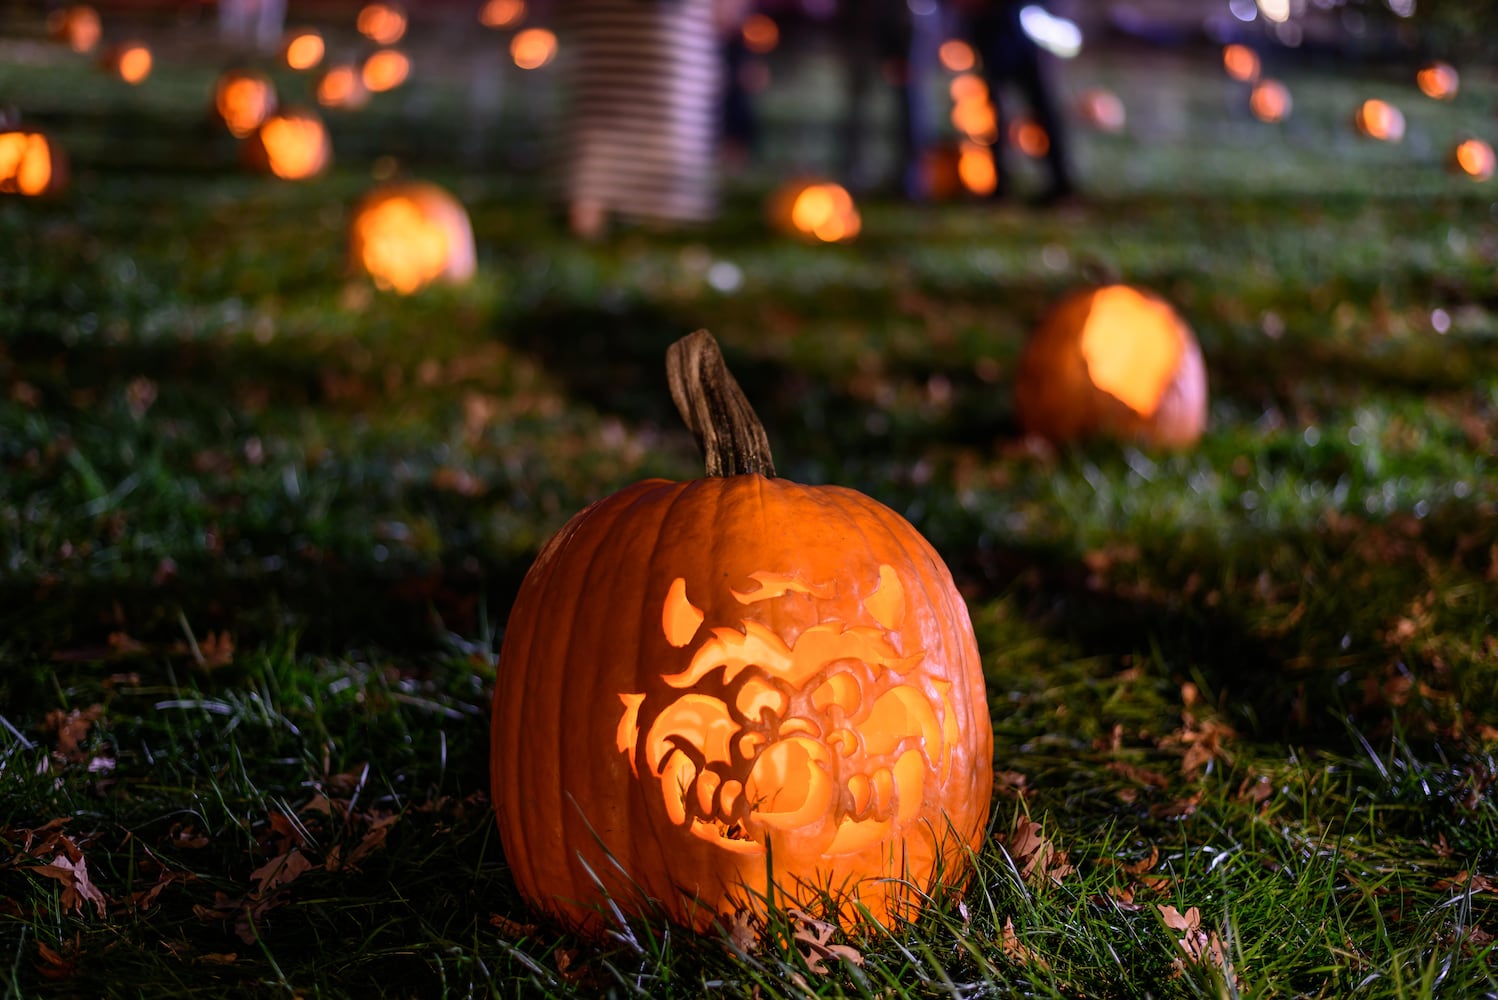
(1057, 396)
(694, 671)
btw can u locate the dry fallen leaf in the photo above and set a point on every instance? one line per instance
(280, 870)
(512, 929)
(813, 939)
(1198, 946)
(1017, 950)
(77, 887)
(1037, 857)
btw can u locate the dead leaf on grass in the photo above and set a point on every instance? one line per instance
(509, 928)
(1468, 882)
(1198, 946)
(77, 887)
(1017, 950)
(813, 939)
(1036, 856)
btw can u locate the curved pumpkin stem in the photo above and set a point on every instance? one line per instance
(715, 409)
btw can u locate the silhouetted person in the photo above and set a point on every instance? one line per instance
(1010, 56)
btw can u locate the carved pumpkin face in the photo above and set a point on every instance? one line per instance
(292, 145)
(30, 164)
(406, 236)
(765, 673)
(1115, 362)
(242, 99)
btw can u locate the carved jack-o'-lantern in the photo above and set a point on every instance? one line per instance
(30, 164)
(815, 210)
(1379, 120)
(242, 99)
(1438, 80)
(1115, 362)
(408, 235)
(1270, 101)
(130, 61)
(737, 689)
(1473, 158)
(77, 27)
(293, 145)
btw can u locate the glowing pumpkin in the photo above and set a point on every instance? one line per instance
(533, 48)
(502, 13)
(1473, 158)
(304, 50)
(760, 34)
(717, 692)
(342, 87)
(951, 169)
(385, 70)
(1240, 62)
(1115, 362)
(1029, 137)
(30, 164)
(1379, 120)
(1102, 109)
(1269, 101)
(816, 210)
(407, 235)
(130, 61)
(242, 99)
(382, 23)
(77, 27)
(292, 145)
(1438, 80)
(956, 56)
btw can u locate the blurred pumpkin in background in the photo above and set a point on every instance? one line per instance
(1113, 362)
(76, 26)
(1270, 101)
(1102, 109)
(304, 50)
(342, 87)
(130, 61)
(1379, 120)
(385, 70)
(1473, 158)
(242, 99)
(407, 235)
(30, 163)
(815, 210)
(382, 23)
(292, 145)
(1438, 80)
(1240, 62)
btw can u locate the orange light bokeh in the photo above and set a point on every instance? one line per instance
(296, 145)
(761, 34)
(132, 61)
(1270, 101)
(382, 23)
(502, 13)
(956, 55)
(305, 50)
(25, 163)
(533, 48)
(1438, 80)
(1102, 109)
(1380, 120)
(243, 101)
(1475, 158)
(76, 26)
(1030, 138)
(1241, 63)
(826, 212)
(967, 87)
(342, 87)
(410, 235)
(976, 168)
(974, 117)
(385, 70)
(1132, 347)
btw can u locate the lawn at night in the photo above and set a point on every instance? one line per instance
(261, 526)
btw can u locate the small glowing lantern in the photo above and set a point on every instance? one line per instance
(1438, 80)
(785, 702)
(407, 235)
(30, 164)
(385, 70)
(292, 145)
(1270, 101)
(1241, 63)
(342, 87)
(382, 23)
(760, 33)
(953, 168)
(304, 50)
(77, 27)
(976, 169)
(1473, 158)
(1029, 138)
(1102, 109)
(242, 99)
(1114, 362)
(130, 61)
(816, 210)
(956, 56)
(533, 48)
(1379, 120)
(502, 13)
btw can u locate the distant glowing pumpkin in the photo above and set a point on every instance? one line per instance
(304, 50)
(1270, 101)
(76, 26)
(130, 61)
(533, 48)
(382, 23)
(1379, 120)
(956, 56)
(760, 33)
(342, 87)
(292, 145)
(502, 13)
(816, 210)
(385, 70)
(1029, 137)
(1241, 63)
(242, 99)
(408, 235)
(956, 168)
(1473, 158)
(1102, 109)
(1438, 80)
(1113, 362)
(30, 164)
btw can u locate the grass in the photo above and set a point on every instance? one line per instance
(260, 528)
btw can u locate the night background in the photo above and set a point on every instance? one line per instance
(271, 475)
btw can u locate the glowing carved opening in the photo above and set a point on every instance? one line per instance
(822, 736)
(1132, 347)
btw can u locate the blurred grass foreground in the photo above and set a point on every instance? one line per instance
(261, 522)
